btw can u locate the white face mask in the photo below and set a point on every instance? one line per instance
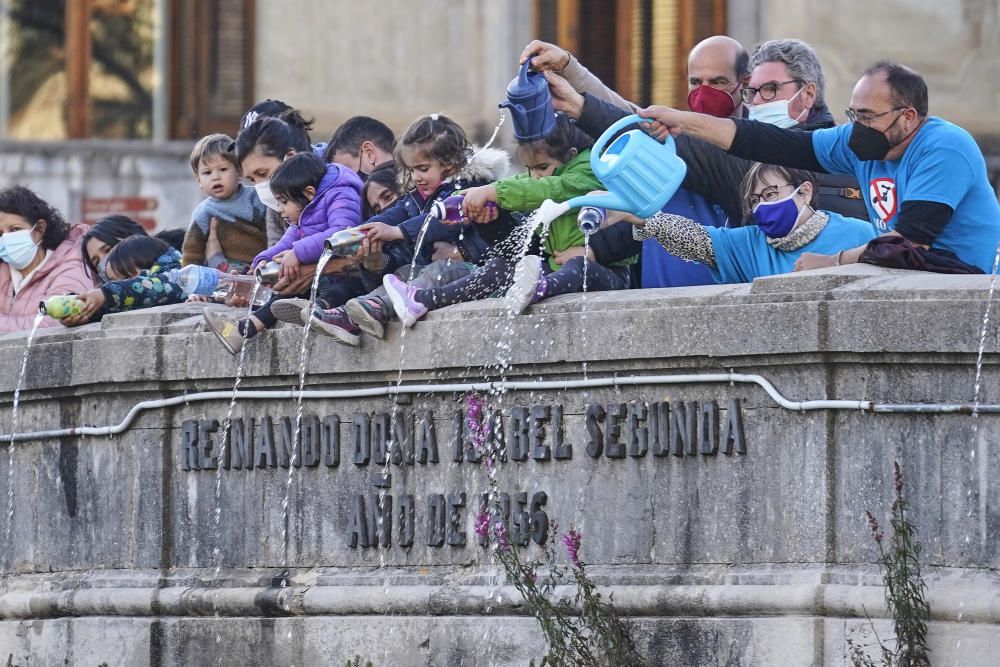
(265, 195)
(776, 112)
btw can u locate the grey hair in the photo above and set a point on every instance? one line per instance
(800, 59)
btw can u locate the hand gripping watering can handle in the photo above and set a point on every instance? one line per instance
(615, 128)
(522, 71)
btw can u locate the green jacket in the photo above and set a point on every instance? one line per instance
(523, 193)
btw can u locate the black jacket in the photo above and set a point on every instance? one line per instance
(715, 175)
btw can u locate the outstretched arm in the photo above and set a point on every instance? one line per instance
(549, 57)
(680, 236)
(744, 138)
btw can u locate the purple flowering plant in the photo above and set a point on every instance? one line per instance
(581, 628)
(904, 589)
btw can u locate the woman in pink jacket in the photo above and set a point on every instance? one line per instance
(39, 257)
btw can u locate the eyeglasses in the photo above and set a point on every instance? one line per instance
(867, 117)
(768, 194)
(767, 91)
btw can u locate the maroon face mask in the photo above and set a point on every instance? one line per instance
(714, 102)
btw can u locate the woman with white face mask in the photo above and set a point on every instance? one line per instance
(39, 257)
(260, 147)
(785, 224)
(263, 143)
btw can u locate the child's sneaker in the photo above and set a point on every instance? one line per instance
(529, 285)
(336, 323)
(401, 295)
(369, 314)
(226, 328)
(290, 310)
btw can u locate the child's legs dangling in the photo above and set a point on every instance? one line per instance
(600, 278)
(435, 274)
(490, 278)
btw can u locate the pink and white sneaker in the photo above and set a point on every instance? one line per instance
(401, 296)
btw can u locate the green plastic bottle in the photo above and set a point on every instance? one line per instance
(58, 307)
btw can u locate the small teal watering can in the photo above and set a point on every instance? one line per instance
(640, 173)
(530, 105)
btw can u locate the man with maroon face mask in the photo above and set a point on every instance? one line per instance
(718, 67)
(717, 70)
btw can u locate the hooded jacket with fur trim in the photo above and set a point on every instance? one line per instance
(473, 241)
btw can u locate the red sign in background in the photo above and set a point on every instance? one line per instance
(140, 209)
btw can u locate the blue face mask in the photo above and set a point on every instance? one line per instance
(777, 218)
(776, 112)
(102, 269)
(17, 248)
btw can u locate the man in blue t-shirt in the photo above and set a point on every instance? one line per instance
(925, 177)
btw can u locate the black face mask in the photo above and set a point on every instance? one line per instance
(868, 144)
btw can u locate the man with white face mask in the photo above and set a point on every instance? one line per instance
(786, 89)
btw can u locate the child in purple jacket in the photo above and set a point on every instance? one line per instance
(315, 200)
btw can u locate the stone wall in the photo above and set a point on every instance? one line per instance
(749, 550)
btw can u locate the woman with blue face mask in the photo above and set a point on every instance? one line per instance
(785, 224)
(39, 258)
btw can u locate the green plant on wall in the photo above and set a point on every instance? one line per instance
(583, 629)
(904, 591)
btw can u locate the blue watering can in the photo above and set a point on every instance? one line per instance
(530, 105)
(640, 173)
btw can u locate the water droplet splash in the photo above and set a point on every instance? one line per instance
(13, 432)
(295, 444)
(982, 335)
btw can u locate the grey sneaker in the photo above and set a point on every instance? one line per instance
(368, 314)
(528, 286)
(338, 325)
(290, 310)
(226, 328)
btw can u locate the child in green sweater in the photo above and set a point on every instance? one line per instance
(558, 169)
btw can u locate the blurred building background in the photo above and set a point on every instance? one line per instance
(101, 100)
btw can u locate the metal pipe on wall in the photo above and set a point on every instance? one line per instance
(531, 385)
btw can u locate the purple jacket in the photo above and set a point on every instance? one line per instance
(337, 206)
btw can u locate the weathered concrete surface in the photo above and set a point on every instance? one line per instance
(760, 558)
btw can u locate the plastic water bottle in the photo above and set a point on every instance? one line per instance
(207, 281)
(450, 208)
(344, 242)
(591, 219)
(62, 306)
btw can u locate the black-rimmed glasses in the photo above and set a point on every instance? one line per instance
(768, 194)
(867, 117)
(767, 92)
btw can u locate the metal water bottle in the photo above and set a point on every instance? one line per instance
(62, 306)
(450, 208)
(591, 219)
(267, 274)
(345, 242)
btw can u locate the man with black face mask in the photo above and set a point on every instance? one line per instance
(361, 143)
(925, 178)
